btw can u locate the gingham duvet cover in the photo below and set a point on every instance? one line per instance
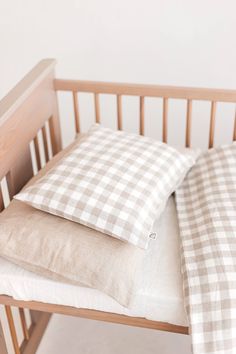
(206, 205)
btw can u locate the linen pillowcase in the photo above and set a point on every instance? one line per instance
(114, 182)
(66, 251)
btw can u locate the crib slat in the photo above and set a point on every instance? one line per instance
(212, 124)
(165, 122)
(45, 143)
(234, 133)
(23, 323)
(76, 112)
(37, 154)
(97, 107)
(12, 329)
(119, 111)
(141, 117)
(3, 345)
(55, 137)
(1, 200)
(10, 186)
(188, 123)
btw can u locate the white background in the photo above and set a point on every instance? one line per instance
(184, 42)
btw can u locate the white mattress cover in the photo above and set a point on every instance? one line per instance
(158, 296)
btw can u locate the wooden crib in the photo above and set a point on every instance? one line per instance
(32, 106)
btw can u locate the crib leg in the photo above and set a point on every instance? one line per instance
(12, 329)
(32, 335)
(36, 331)
(3, 346)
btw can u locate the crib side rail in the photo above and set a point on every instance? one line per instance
(29, 109)
(23, 112)
(189, 94)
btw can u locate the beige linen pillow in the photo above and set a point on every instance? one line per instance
(113, 182)
(60, 249)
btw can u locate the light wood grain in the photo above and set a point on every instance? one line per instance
(3, 346)
(24, 324)
(22, 169)
(234, 132)
(37, 154)
(165, 120)
(119, 112)
(23, 112)
(76, 112)
(141, 115)
(212, 124)
(190, 93)
(16, 97)
(36, 333)
(94, 314)
(10, 185)
(97, 108)
(45, 143)
(188, 123)
(1, 200)
(12, 329)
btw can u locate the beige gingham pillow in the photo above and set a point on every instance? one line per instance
(112, 181)
(62, 250)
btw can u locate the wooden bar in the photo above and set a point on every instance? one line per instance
(141, 116)
(37, 154)
(23, 323)
(76, 112)
(234, 132)
(95, 315)
(3, 346)
(10, 185)
(212, 124)
(22, 113)
(12, 329)
(97, 107)
(164, 120)
(119, 111)
(52, 132)
(36, 333)
(45, 143)
(188, 123)
(34, 316)
(1, 200)
(191, 93)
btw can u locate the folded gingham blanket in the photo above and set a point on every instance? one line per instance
(206, 206)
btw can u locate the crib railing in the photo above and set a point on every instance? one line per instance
(29, 118)
(28, 125)
(142, 91)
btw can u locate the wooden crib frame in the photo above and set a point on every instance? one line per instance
(25, 111)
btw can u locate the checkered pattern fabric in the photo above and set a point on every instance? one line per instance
(112, 181)
(206, 205)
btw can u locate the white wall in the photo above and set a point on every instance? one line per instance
(177, 42)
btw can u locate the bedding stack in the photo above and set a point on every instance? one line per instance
(87, 217)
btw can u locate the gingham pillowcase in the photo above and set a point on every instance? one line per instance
(112, 181)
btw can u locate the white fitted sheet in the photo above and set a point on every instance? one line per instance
(158, 296)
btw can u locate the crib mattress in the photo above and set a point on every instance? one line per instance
(158, 296)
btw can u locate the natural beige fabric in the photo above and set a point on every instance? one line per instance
(55, 247)
(114, 182)
(206, 205)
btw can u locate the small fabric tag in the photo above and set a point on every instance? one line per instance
(153, 235)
